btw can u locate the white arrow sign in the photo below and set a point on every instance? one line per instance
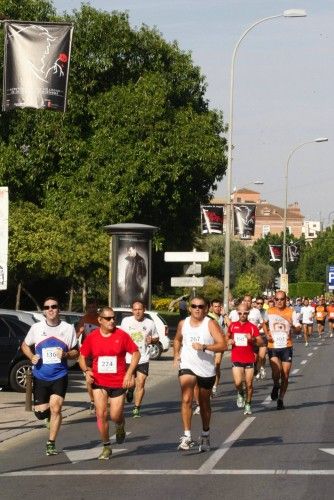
(84, 454)
(187, 256)
(187, 282)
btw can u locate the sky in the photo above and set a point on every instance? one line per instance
(283, 86)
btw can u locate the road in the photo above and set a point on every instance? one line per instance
(270, 455)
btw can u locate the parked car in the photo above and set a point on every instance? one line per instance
(14, 366)
(164, 342)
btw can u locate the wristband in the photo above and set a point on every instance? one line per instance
(204, 347)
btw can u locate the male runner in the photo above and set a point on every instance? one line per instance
(54, 342)
(242, 335)
(216, 313)
(143, 332)
(200, 337)
(330, 313)
(320, 316)
(282, 320)
(261, 351)
(109, 376)
(307, 315)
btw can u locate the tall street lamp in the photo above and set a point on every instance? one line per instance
(286, 13)
(285, 281)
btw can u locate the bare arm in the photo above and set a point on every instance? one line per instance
(34, 358)
(219, 344)
(178, 343)
(87, 370)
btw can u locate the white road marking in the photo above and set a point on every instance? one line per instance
(303, 362)
(266, 401)
(295, 371)
(315, 348)
(173, 472)
(327, 450)
(210, 463)
(84, 454)
(310, 354)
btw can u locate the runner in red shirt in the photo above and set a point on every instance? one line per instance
(109, 375)
(242, 335)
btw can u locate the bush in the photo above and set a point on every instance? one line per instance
(161, 304)
(306, 289)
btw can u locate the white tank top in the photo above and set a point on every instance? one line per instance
(199, 362)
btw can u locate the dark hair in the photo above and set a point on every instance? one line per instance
(139, 301)
(260, 297)
(104, 308)
(199, 297)
(51, 298)
(215, 301)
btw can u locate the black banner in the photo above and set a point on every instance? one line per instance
(275, 253)
(244, 220)
(36, 65)
(292, 252)
(212, 217)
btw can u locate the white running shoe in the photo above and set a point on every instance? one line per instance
(262, 373)
(185, 443)
(240, 400)
(204, 443)
(306, 344)
(257, 376)
(331, 335)
(197, 410)
(214, 391)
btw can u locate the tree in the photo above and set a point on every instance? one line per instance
(247, 283)
(316, 256)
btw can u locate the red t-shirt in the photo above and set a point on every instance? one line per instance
(242, 349)
(108, 355)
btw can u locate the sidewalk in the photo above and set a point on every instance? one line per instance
(15, 420)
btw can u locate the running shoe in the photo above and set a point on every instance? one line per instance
(274, 392)
(262, 373)
(258, 376)
(92, 407)
(136, 412)
(50, 449)
(331, 335)
(197, 410)
(120, 433)
(240, 400)
(280, 404)
(129, 395)
(247, 409)
(214, 391)
(106, 453)
(185, 443)
(306, 344)
(204, 443)
(47, 423)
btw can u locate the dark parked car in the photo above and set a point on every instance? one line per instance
(13, 364)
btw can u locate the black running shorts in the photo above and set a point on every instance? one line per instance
(203, 382)
(285, 354)
(43, 389)
(111, 391)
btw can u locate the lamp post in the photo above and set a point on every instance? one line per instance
(286, 13)
(284, 270)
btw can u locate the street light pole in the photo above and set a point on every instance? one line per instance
(286, 13)
(284, 270)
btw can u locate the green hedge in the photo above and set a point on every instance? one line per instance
(306, 289)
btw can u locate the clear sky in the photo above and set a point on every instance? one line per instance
(284, 81)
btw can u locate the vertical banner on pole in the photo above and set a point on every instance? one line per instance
(212, 219)
(3, 237)
(36, 65)
(244, 220)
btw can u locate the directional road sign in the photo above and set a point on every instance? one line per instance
(192, 269)
(187, 256)
(188, 282)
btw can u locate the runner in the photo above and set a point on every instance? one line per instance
(320, 315)
(282, 320)
(110, 378)
(216, 313)
(200, 337)
(307, 315)
(54, 342)
(330, 313)
(242, 335)
(261, 350)
(86, 325)
(143, 332)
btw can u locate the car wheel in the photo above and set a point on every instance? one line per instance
(18, 376)
(155, 351)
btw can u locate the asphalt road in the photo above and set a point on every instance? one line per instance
(269, 455)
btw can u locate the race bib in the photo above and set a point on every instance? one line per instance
(107, 364)
(319, 315)
(280, 339)
(240, 339)
(49, 355)
(331, 314)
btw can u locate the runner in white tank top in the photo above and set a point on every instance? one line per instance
(200, 337)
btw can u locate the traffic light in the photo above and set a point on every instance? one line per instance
(277, 282)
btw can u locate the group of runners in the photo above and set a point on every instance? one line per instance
(115, 361)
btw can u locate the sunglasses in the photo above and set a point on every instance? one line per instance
(108, 318)
(280, 298)
(197, 306)
(53, 306)
(243, 314)
(260, 303)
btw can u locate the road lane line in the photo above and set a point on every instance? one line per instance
(303, 362)
(266, 401)
(172, 472)
(310, 354)
(315, 348)
(210, 463)
(295, 371)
